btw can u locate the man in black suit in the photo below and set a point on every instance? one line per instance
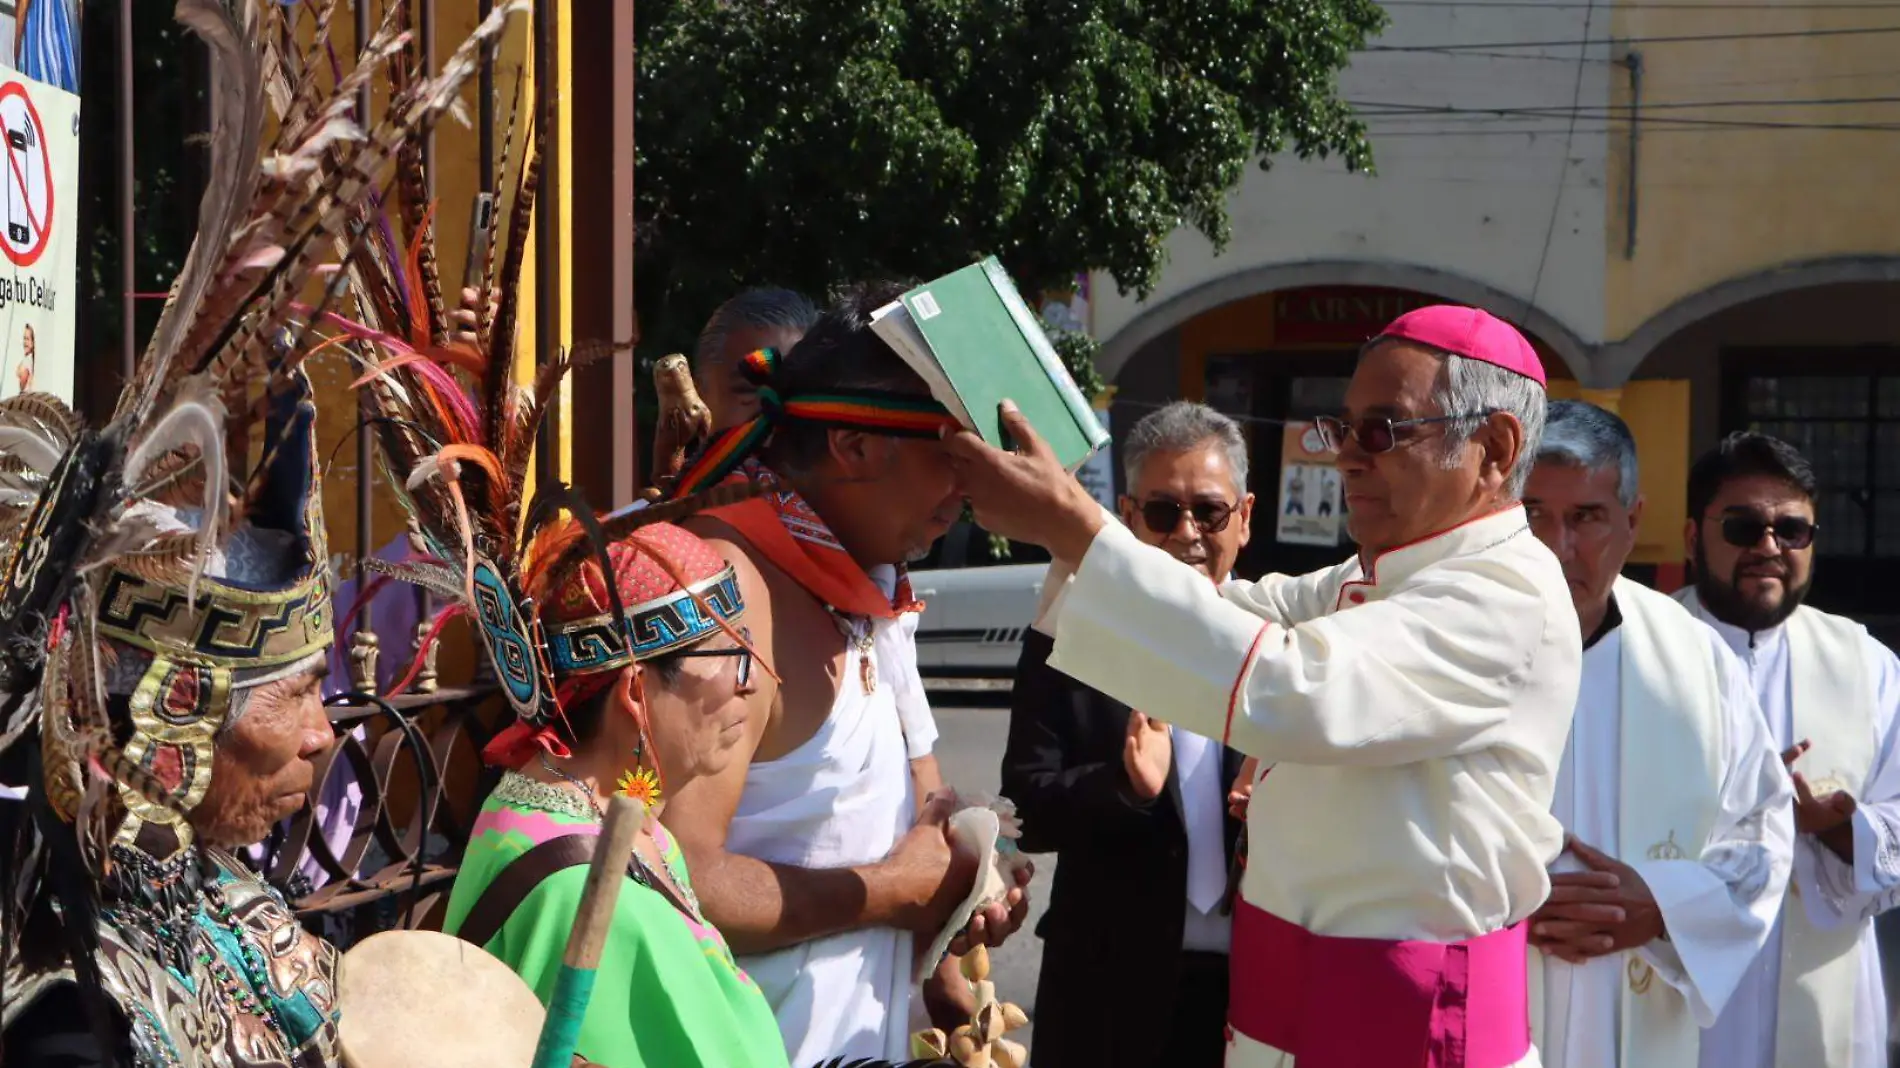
(1134, 962)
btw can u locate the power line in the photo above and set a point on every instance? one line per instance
(1645, 108)
(1563, 170)
(1652, 5)
(1691, 38)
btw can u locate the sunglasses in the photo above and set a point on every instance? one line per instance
(744, 654)
(1163, 516)
(1745, 531)
(1376, 434)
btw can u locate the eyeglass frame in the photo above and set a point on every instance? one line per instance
(1392, 427)
(743, 651)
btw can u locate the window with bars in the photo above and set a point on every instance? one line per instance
(1847, 422)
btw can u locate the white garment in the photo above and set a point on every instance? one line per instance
(896, 660)
(1719, 897)
(842, 799)
(1744, 1035)
(1197, 770)
(1414, 710)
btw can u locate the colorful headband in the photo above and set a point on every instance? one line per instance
(657, 627)
(892, 414)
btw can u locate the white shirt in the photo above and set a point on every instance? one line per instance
(1197, 768)
(1744, 1036)
(1414, 710)
(1716, 925)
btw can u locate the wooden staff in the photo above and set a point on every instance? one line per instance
(567, 1005)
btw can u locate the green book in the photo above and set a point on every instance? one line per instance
(972, 337)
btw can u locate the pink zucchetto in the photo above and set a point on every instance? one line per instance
(1473, 333)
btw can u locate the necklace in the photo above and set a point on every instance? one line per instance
(642, 874)
(257, 970)
(862, 636)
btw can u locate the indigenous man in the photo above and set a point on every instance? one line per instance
(1409, 707)
(1673, 797)
(1136, 808)
(802, 857)
(1830, 692)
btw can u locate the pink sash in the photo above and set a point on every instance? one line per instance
(1372, 1003)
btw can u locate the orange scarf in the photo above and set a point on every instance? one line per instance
(787, 532)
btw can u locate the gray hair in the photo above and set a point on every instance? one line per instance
(754, 309)
(1182, 427)
(1590, 437)
(1467, 387)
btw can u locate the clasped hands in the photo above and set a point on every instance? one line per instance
(1593, 913)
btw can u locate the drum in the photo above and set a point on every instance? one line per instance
(423, 999)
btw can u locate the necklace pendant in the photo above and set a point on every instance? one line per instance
(867, 672)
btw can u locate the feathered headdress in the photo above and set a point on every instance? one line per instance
(457, 433)
(153, 570)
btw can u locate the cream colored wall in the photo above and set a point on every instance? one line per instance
(1716, 202)
(1515, 213)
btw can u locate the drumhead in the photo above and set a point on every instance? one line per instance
(424, 999)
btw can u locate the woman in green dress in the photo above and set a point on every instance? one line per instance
(644, 705)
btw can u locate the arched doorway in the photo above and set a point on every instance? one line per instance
(1817, 365)
(1270, 359)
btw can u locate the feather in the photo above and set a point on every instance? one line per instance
(31, 445)
(196, 421)
(438, 579)
(237, 121)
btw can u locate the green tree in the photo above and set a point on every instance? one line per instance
(812, 142)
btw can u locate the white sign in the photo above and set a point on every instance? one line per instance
(39, 134)
(1309, 508)
(1097, 473)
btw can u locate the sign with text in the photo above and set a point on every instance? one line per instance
(1339, 315)
(39, 128)
(1308, 512)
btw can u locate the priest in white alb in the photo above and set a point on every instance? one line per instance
(1830, 693)
(1408, 707)
(1671, 783)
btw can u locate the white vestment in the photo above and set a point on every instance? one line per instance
(842, 799)
(1413, 712)
(1667, 748)
(1832, 899)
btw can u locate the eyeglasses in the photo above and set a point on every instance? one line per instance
(1376, 434)
(1163, 516)
(1745, 531)
(741, 651)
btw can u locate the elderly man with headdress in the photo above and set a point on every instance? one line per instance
(165, 607)
(1408, 707)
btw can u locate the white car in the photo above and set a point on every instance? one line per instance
(976, 609)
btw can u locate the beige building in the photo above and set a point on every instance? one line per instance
(1685, 204)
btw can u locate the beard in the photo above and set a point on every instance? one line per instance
(1726, 602)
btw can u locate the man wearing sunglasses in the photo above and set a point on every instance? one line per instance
(1830, 693)
(1672, 795)
(1410, 705)
(1135, 808)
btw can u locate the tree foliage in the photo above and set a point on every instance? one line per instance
(812, 142)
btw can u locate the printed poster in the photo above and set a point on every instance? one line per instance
(39, 220)
(1311, 503)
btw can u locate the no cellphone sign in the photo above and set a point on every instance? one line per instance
(28, 178)
(39, 139)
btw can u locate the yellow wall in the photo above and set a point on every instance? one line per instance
(1717, 202)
